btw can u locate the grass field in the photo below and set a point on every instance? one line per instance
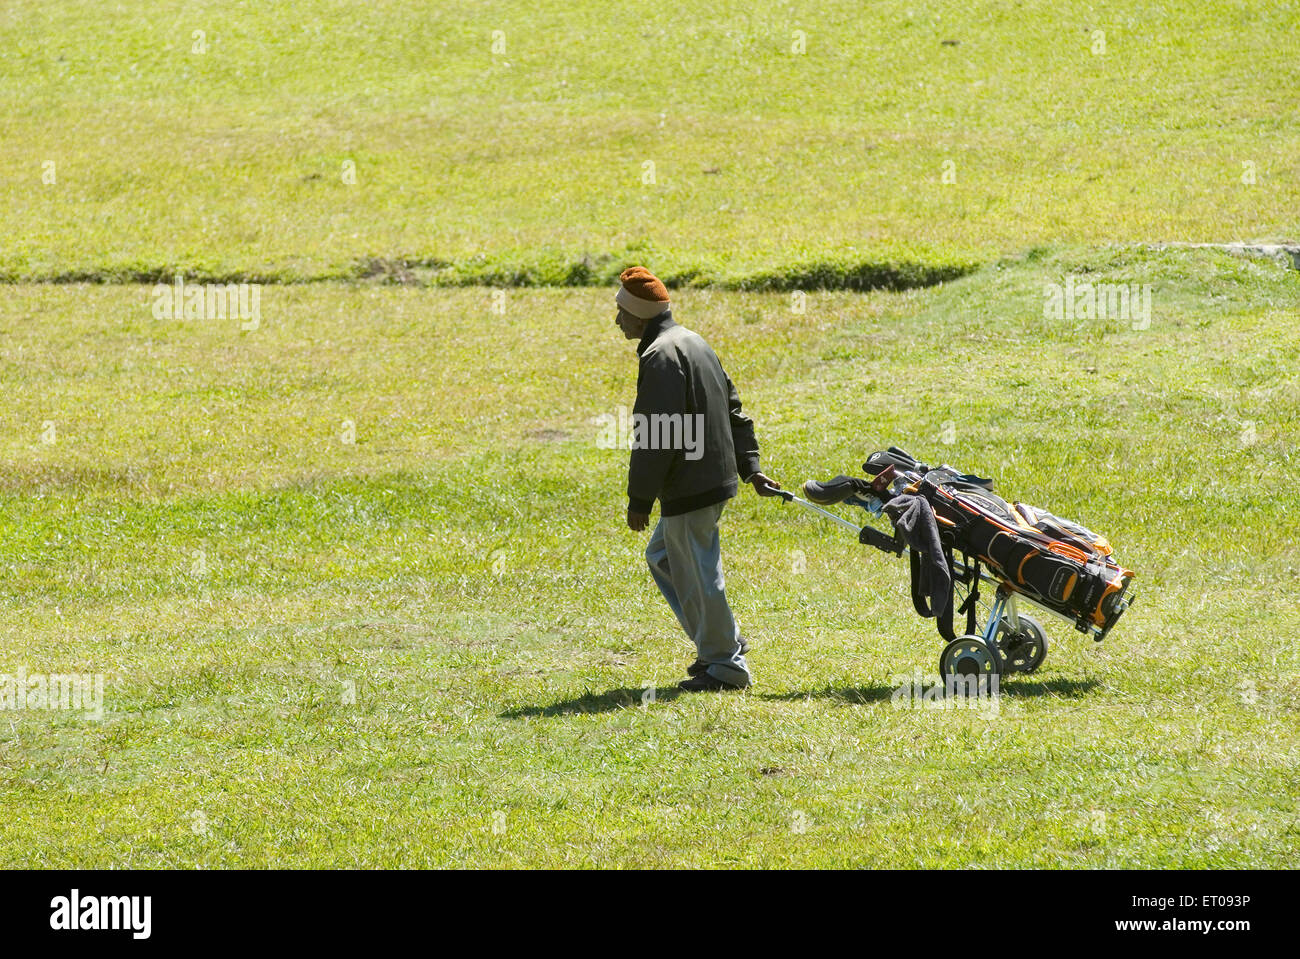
(358, 580)
(322, 653)
(530, 163)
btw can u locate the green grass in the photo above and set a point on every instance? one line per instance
(432, 646)
(526, 166)
(200, 533)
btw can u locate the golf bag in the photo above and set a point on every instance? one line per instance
(1056, 563)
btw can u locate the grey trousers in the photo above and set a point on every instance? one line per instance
(686, 562)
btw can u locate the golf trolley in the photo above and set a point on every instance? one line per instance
(1009, 641)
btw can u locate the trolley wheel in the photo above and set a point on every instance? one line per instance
(969, 656)
(1025, 649)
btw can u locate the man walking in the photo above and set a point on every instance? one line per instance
(690, 441)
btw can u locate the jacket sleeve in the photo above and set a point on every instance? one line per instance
(742, 435)
(660, 388)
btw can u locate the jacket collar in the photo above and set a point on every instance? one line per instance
(652, 330)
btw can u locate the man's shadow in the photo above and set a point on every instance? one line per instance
(628, 698)
(590, 702)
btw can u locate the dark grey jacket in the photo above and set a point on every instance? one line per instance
(690, 438)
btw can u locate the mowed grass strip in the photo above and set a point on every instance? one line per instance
(432, 646)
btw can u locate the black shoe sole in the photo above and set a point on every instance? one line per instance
(721, 687)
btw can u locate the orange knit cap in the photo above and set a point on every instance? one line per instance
(641, 293)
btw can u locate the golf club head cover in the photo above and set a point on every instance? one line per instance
(835, 490)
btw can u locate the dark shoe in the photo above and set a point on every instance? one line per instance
(704, 683)
(697, 667)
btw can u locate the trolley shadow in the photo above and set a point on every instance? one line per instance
(865, 695)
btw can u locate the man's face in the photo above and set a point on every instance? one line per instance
(633, 327)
